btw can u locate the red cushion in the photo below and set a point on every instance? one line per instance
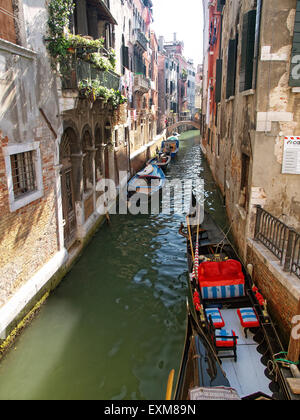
(210, 269)
(219, 283)
(222, 341)
(230, 267)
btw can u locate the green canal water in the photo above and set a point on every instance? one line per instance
(115, 326)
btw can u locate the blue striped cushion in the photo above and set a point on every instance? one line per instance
(223, 292)
(248, 317)
(222, 340)
(216, 317)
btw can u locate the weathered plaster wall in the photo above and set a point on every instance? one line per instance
(28, 114)
(278, 114)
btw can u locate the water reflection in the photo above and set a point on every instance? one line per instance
(114, 328)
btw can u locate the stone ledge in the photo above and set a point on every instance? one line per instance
(289, 281)
(17, 49)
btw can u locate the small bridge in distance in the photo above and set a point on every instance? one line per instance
(171, 128)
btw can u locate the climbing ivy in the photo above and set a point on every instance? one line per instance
(61, 42)
(94, 90)
(59, 15)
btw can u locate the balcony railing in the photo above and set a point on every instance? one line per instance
(141, 39)
(141, 83)
(282, 240)
(74, 70)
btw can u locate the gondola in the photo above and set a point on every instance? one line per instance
(232, 315)
(170, 146)
(148, 181)
(162, 161)
(201, 375)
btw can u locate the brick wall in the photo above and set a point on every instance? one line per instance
(7, 24)
(29, 235)
(282, 305)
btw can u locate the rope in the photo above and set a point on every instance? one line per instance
(273, 369)
(284, 360)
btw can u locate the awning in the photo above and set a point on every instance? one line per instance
(103, 11)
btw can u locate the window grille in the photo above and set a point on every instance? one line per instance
(23, 173)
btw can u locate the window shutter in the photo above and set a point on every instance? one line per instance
(231, 68)
(247, 55)
(219, 80)
(295, 57)
(125, 56)
(221, 4)
(257, 41)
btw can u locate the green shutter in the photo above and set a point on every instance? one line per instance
(219, 67)
(220, 5)
(247, 55)
(295, 57)
(231, 68)
(257, 41)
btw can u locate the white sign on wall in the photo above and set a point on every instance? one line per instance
(291, 155)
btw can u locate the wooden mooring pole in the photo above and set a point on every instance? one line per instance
(294, 346)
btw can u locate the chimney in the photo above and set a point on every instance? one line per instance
(175, 36)
(161, 43)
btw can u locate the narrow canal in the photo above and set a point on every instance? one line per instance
(115, 326)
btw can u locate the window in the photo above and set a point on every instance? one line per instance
(231, 67)
(244, 198)
(24, 174)
(248, 50)
(219, 65)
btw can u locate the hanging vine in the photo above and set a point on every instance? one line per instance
(62, 44)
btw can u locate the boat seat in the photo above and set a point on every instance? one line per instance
(248, 319)
(216, 317)
(220, 280)
(224, 341)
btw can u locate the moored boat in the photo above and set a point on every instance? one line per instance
(170, 146)
(232, 315)
(162, 161)
(148, 181)
(201, 373)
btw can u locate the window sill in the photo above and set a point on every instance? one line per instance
(248, 92)
(17, 49)
(25, 199)
(230, 99)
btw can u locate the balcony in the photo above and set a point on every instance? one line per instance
(142, 84)
(74, 70)
(140, 39)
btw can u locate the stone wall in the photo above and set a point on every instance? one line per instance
(29, 235)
